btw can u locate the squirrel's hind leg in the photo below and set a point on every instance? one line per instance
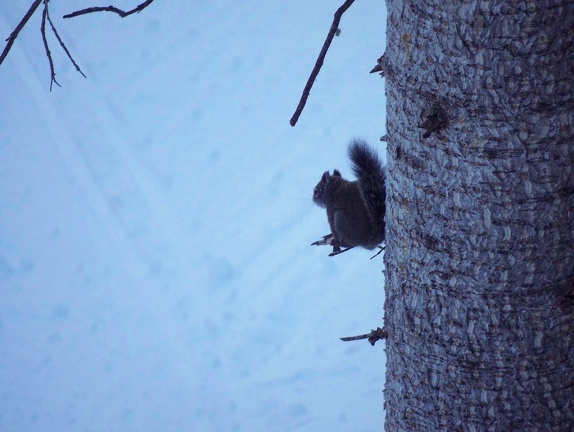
(338, 250)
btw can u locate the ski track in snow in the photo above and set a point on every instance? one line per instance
(155, 222)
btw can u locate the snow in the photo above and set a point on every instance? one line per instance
(156, 217)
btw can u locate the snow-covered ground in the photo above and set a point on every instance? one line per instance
(156, 217)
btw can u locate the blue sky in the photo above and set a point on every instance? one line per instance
(156, 217)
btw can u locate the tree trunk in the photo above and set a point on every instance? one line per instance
(480, 232)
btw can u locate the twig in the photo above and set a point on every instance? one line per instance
(48, 53)
(18, 28)
(64, 45)
(381, 248)
(373, 337)
(113, 9)
(320, 59)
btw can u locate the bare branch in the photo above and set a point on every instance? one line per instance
(113, 9)
(319, 63)
(64, 45)
(375, 335)
(48, 53)
(18, 28)
(46, 17)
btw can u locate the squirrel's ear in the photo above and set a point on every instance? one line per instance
(325, 176)
(336, 173)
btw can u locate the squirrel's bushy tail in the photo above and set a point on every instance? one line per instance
(371, 174)
(365, 161)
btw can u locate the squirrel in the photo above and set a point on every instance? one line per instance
(355, 209)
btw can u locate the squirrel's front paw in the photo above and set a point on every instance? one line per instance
(330, 240)
(326, 240)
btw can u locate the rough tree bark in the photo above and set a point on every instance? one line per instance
(480, 232)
